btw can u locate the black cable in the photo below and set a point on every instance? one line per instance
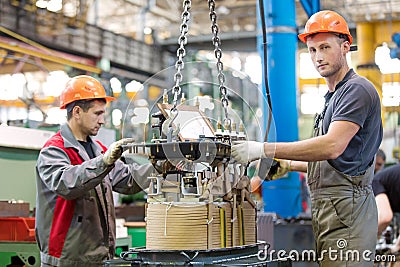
(267, 90)
(267, 165)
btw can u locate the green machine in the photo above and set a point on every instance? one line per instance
(19, 149)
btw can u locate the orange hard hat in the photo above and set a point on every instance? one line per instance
(82, 87)
(326, 21)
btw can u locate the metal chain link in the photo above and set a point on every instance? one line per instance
(218, 55)
(181, 52)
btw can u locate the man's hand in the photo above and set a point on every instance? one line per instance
(114, 151)
(282, 170)
(246, 151)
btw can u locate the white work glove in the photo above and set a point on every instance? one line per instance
(282, 170)
(114, 151)
(246, 151)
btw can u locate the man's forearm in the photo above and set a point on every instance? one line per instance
(298, 166)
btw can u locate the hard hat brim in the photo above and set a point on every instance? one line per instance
(303, 36)
(107, 98)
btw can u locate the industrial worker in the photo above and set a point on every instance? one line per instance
(75, 216)
(339, 158)
(386, 186)
(380, 160)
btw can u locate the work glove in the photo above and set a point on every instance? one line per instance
(115, 150)
(246, 151)
(282, 169)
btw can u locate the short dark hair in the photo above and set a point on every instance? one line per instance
(85, 105)
(344, 36)
(381, 154)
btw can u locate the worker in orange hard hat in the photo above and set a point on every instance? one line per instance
(76, 175)
(82, 92)
(339, 158)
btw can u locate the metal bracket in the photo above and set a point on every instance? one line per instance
(30, 259)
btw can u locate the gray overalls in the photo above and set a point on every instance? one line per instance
(344, 214)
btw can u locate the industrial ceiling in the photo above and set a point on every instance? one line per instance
(235, 17)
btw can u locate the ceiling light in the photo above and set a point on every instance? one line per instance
(134, 86)
(70, 10)
(116, 85)
(54, 5)
(249, 27)
(236, 27)
(41, 3)
(147, 30)
(223, 10)
(116, 117)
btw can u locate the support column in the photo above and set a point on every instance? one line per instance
(366, 54)
(282, 196)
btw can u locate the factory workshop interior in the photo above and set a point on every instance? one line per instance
(189, 79)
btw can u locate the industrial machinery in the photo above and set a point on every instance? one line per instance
(199, 208)
(198, 190)
(385, 242)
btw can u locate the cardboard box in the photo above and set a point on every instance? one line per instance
(9, 209)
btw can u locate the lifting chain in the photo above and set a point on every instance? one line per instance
(180, 53)
(220, 66)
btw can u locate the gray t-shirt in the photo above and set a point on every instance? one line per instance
(356, 100)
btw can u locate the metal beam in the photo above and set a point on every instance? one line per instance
(30, 67)
(281, 49)
(205, 41)
(166, 14)
(51, 58)
(157, 81)
(311, 6)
